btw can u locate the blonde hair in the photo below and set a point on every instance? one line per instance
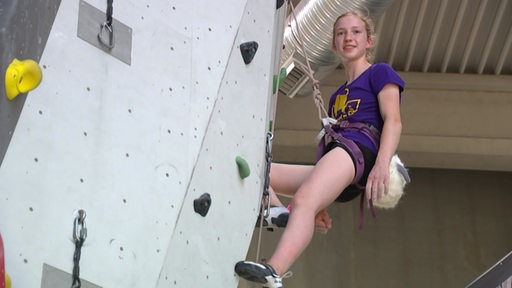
(369, 27)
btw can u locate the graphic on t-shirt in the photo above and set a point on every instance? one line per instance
(343, 108)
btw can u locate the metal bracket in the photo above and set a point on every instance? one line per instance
(56, 278)
(90, 19)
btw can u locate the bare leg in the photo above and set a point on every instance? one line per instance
(285, 179)
(318, 190)
(274, 200)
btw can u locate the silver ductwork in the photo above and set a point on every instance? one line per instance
(313, 22)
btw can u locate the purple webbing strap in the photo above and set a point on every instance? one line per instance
(356, 153)
(361, 210)
(371, 132)
(354, 150)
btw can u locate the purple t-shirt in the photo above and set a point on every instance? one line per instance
(358, 102)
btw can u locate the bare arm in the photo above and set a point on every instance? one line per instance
(389, 102)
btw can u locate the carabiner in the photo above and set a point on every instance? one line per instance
(79, 227)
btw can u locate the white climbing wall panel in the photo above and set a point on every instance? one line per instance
(133, 144)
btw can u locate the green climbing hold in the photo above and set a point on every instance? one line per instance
(243, 167)
(282, 76)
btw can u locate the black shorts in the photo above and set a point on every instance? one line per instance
(352, 191)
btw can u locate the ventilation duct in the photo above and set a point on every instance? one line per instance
(314, 20)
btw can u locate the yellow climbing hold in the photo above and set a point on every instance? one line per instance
(21, 77)
(7, 281)
(243, 167)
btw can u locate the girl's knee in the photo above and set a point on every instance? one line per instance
(301, 201)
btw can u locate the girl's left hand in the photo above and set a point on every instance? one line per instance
(378, 182)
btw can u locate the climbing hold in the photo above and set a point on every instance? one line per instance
(282, 76)
(202, 204)
(7, 281)
(3, 275)
(279, 3)
(243, 167)
(248, 50)
(21, 77)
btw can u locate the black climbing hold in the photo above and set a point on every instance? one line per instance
(202, 204)
(248, 50)
(279, 3)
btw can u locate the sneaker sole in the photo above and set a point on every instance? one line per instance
(281, 220)
(248, 272)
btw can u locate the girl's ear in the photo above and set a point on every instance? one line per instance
(370, 42)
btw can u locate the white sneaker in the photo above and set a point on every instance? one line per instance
(277, 218)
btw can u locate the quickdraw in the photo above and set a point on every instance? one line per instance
(106, 34)
(265, 199)
(79, 235)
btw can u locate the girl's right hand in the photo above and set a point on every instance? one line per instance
(323, 222)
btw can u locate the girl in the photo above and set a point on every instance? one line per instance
(369, 100)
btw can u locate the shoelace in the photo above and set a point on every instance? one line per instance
(287, 275)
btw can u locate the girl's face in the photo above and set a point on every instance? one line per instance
(350, 38)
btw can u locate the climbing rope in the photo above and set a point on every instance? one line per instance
(322, 114)
(317, 95)
(79, 235)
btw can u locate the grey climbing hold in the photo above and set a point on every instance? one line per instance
(202, 204)
(248, 50)
(279, 3)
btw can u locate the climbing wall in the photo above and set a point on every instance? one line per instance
(133, 135)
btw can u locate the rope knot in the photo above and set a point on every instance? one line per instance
(316, 84)
(318, 100)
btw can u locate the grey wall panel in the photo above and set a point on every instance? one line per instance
(24, 29)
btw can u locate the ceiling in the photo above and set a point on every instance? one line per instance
(445, 36)
(455, 56)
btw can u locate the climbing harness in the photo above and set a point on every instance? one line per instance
(327, 134)
(79, 235)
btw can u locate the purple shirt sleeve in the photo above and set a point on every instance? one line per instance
(382, 74)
